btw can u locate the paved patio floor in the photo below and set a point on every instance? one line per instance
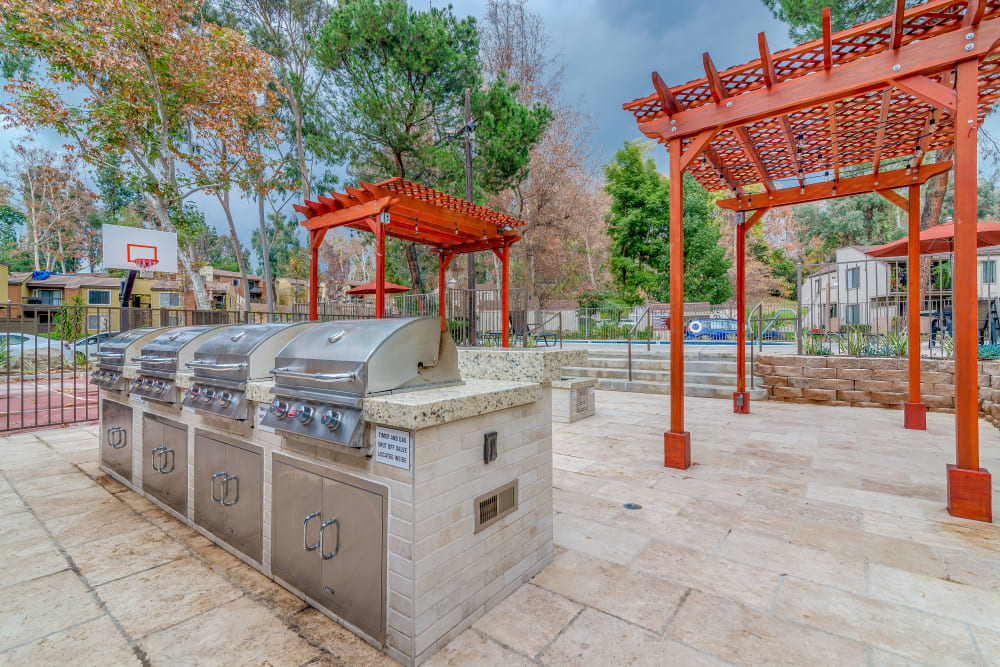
(804, 535)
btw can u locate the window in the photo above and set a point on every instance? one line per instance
(101, 297)
(833, 310)
(48, 297)
(97, 322)
(853, 277)
(989, 270)
(853, 311)
(170, 300)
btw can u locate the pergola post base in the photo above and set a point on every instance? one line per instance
(915, 416)
(969, 494)
(677, 450)
(741, 402)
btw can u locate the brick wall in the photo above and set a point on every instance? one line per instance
(873, 382)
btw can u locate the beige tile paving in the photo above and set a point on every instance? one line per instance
(146, 590)
(802, 535)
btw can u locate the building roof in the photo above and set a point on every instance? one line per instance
(234, 274)
(165, 285)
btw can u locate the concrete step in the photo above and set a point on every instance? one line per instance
(693, 376)
(690, 352)
(690, 389)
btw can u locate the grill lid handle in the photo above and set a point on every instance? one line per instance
(111, 354)
(319, 377)
(153, 360)
(199, 363)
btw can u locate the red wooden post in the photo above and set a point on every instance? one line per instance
(914, 411)
(313, 277)
(380, 270)
(443, 262)
(741, 398)
(676, 442)
(505, 294)
(968, 484)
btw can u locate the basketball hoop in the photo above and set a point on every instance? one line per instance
(146, 265)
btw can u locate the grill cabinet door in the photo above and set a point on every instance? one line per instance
(244, 508)
(209, 461)
(169, 481)
(152, 438)
(352, 579)
(116, 437)
(296, 494)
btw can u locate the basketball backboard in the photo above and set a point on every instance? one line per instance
(124, 245)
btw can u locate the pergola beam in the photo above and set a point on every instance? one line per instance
(827, 39)
(856, 185)
(883, 116)
(896, 40)
(667, 100)
(850, 79)
(892, 197)
(928, 90)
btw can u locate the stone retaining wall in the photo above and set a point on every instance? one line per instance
(873, 382)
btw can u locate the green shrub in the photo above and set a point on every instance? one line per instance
(814, 344)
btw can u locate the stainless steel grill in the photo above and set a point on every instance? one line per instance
(163, 357)
(116, 353)
(229, 359)
(322, 377)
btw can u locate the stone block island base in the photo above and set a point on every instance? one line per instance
(406, 542)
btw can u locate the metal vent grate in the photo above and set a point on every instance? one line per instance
(495, 505)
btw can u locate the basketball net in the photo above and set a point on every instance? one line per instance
(146, 266)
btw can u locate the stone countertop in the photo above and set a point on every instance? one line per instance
(423, 408)
(530, 364)
(574, 383)
(430, 407)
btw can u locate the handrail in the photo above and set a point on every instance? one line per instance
(759, 310)
(642, 315)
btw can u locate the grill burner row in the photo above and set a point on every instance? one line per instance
(322, 372)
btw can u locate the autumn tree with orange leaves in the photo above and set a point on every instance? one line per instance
(151, 81)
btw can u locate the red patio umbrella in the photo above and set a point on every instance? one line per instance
(390, 288)
(937, 239)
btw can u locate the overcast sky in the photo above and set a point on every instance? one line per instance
(608, 49)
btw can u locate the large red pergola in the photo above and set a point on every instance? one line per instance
(853, 112)
(412, 212)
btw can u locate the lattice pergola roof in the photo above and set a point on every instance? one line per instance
(890, 100)
(416, 213)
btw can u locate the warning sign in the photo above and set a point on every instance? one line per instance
(392, 447)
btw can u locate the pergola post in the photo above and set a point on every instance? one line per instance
(315, 238)
(968, 484)
(505, 294)
(379, 270)
(677, 441)
(443, 261)
(914, 411)
(741, 398)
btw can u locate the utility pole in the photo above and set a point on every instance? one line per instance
(469, 196)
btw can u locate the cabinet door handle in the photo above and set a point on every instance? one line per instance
(336, 548)
(225, 489)
(215, 497)
(305, 541)
(117, 437)
(154, 456)
(163, 466)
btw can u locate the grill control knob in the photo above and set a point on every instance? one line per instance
(305, 414)
(279, 409)
(208, 396)
(193, 392)
(162, 387)
(225, 398)
(331, 419)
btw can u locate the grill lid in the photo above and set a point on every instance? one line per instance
(168, 352)
(243, 352)
(369, 356)
(116, 350)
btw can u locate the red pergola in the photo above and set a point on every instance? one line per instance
(855, 111)
(412, 212)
